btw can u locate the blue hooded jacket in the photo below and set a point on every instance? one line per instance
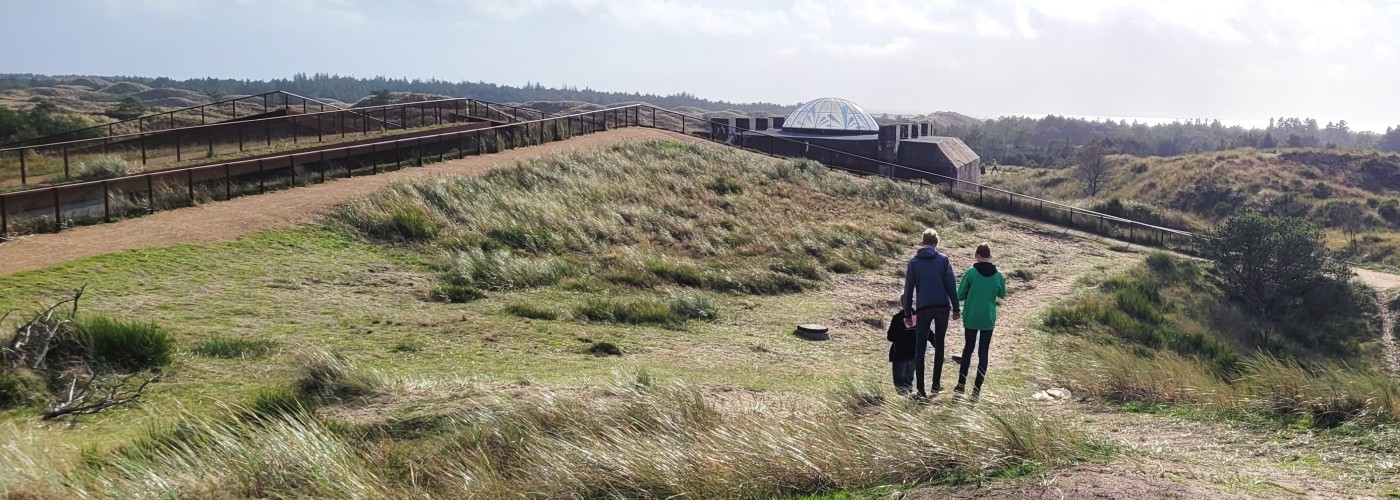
(930, 280)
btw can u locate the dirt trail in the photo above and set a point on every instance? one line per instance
(1392, 351)
(228, 220)
(1164, 456)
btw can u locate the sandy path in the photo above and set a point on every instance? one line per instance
(228, 220)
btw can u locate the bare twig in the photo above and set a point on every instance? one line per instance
(80, 400)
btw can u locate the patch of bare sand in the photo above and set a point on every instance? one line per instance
(1084, 482)
(228, 220)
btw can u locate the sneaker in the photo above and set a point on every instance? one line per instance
(959, 389)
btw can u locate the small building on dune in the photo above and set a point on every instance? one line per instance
(839, 132)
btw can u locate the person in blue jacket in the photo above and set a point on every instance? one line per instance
(930, 296)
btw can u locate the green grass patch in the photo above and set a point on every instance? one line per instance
(233, 348)
(127, 345)
(531, 311)
(673, 311)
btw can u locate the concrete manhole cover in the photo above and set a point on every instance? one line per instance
(812, 331)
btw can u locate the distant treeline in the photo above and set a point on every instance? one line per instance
(350, 89)
(1050, 141)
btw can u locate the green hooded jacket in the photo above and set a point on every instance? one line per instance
(979, 290)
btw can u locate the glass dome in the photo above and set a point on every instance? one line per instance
(831, 114)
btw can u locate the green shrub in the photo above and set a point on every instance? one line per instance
(841, 266)
(453, 293)
(634, 311)
(675, 310)
(100, 167)
(229, 348)
(409, 222)
(693, 306)
(532, 311)
(272, 403)
(603, 348)
(799, 266)
(633, 277)
(328, 376)
(502, 270)
(725, 185)
(20, 387)
(394, 219)
(534, 239)
(678, 272)
(765, 283)
(125, 345)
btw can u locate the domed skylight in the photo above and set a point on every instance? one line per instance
(831, 114)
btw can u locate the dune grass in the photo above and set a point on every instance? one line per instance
(233, 348)
(651, 216)
(637, 437)
(464, 398)
(1161, 334)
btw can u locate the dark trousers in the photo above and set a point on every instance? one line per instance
(983, 340)
(932, 328)
(903, 375)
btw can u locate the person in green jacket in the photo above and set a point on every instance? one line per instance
(979, 290)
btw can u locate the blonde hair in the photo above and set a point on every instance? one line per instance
(984, 250)
(930, 238)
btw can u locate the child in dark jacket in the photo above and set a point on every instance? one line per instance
(901, 353)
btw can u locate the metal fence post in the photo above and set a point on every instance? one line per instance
(150, 194)
(228, 183)
(23, 171)
(65, 162)
(4, 220)
(57, 212)
(106, 203)
(262, 180)
(189, 179)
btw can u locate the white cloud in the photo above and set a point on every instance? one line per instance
(129, 6)
(896, 46)
(671, 16)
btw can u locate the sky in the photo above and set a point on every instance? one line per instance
(1236, 60)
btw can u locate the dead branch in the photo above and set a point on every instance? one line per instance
(30, 345)
(98, 393)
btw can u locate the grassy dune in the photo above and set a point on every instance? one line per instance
(1194, 191)
(611, 323)
(1161, 334)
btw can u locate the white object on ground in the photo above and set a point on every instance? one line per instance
(1055, 394)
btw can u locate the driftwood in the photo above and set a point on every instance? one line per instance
(90, 390)
(30, 346)
(99, 392)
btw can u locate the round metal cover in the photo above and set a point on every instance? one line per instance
(812, 331)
